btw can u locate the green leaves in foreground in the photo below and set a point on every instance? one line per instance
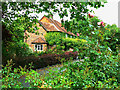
(102, 73)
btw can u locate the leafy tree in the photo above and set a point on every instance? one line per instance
(99, 69)
(16, 14)
(63, 43)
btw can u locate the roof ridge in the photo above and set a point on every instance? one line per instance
(42, 25)
(57, 25)
(42, 17)
(50, 24)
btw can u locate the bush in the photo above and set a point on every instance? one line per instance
(69, 54)
(15, 51)
(45, 59)
(10, 77)
(38, 61)
(62, 43)
(13, 78)
(102, 73)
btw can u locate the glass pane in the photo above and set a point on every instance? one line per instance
(38, 47)
(35, 46)
(41, 47)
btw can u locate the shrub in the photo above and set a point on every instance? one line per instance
(13, 78)
(15, 51)
(103, 73)
(45, 59)
(62, 43)
(69, 54)
(10, 77)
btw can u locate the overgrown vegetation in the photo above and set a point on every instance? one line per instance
(44, 60)
(96, 42)
(103, 73)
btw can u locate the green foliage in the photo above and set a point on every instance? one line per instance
(15, 50)
(44, 60)
(112, 37)
(16, 16)
(98, 43)
(62, 43)
(14, 78)
(9, 77)
(54, 38)
(102, 73)
(72, 42)
(80, 26)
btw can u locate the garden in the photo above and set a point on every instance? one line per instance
(96, 43)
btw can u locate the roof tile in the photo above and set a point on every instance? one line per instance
(39, 40)
(55, 26)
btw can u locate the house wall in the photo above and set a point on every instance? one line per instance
(33, 37)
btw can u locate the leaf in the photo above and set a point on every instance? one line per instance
(107, 38)
(109, 49)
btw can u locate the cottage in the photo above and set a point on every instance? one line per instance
(45, 25)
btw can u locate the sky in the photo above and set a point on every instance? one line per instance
(108, 13)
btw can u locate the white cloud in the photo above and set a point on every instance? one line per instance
(108, 13)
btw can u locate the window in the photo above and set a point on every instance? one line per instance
(38, 47)
(70, 36)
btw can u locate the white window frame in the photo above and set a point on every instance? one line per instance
(37, 47)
